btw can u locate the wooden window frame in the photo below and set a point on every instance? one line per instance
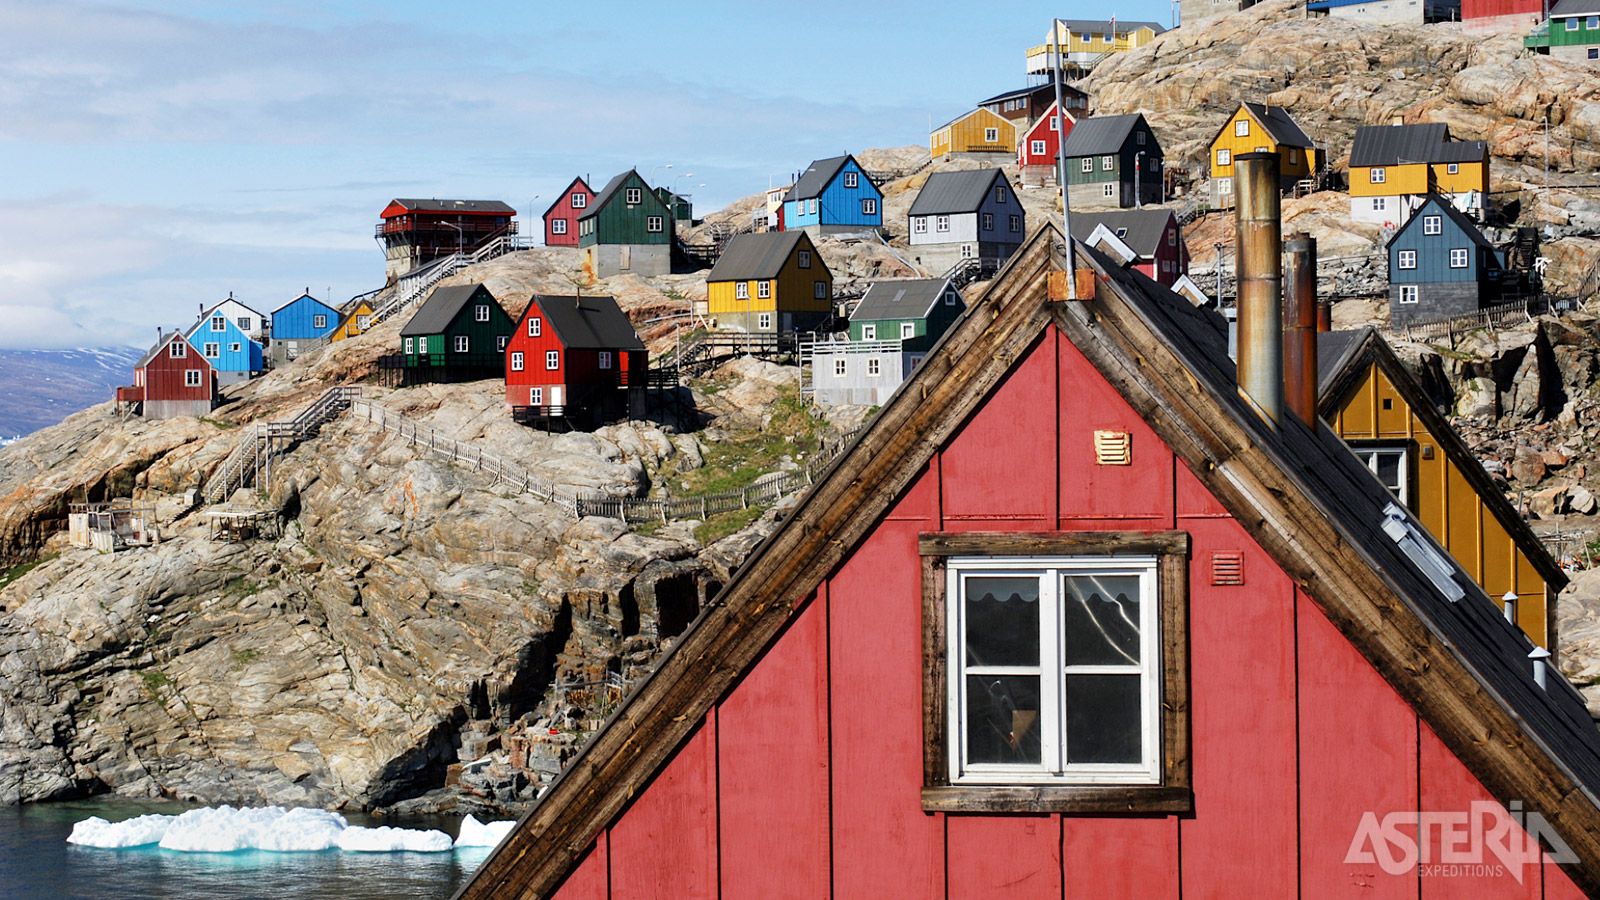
(516, 360)
(319, 321)
(558, 226)
(480, 313)
(1405, 259)
(533, 326)
(191, 378)
(461, 344)
(579, 201)
(633, 195)
(851, 179)
(552, 360)
(869, 207)
(1174, 794)
(653, 224)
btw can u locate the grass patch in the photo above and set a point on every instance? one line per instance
(219, 423)
(245, 657)
(648, 529)
(734, 463)
(721, 525)
(530, 588)
(240, 587)
(20, 569)
(155, 681)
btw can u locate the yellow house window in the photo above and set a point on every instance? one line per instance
(1241, 128)
(1224, 157)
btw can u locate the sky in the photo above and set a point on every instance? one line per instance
(159, 155)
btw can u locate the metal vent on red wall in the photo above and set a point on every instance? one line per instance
(1227, 568)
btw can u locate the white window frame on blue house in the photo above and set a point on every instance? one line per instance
(1433, 224)
(869, 207)
(1406, 259)
(1408, 293)
(218, 323)
(851, 179)
(1459, 258)
(233, 347)
(212, 350)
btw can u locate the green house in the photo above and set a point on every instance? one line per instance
(626, 229)
(1572, 32)
(461, 328)
(1113, 161)
(680, 204)
(915, 311)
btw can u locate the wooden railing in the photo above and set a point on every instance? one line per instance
(1489, 317)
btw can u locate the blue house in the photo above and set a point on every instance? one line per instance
(301, 321)
(224, 344)
(834, 195)
(1440, 265)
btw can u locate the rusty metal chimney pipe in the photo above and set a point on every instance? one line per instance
(1300, 328)
(1259, 265)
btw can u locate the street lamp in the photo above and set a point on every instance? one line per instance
(531, 208)
(674, 192)
(652, 178)
(460, 239)
(1138, 196)
(1218, 247)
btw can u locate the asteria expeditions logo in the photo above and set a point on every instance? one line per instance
(1488, 840)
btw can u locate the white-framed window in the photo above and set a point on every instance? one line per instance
(233, 347)
(1594, 53)
(533, 326)
(1406, 259)
(177, 350)
(1106, 162)
(536, 396)
(1001, 195)
(1016, 223)
(634, 195)
(1592, 22)
(212, 350)
(967, 251)
(1380, 203)
(558, 226)
(819, 290)
(764, 290)
(1241, 128)
(839, 367)
(1084, 37)
(949, 298)
(579, 200)
(803, 259)
(363, 322)
(1105, 38)
(941, 223)
(480, 313)
(1172, 237)
(218, 323)
(319, 321)
(1224, 156)
(1433, 224)
(811, 206)
(462, 343)
(245, 323)
(990, 135)
(411, 345)
(1088, 164)
(869, 207)
(763, 321)
(1054, 670)
(652, 224)
(1224, 185)
(1055, 125)
(908, 330)
(1458, 258)
(851, 179)
(869, 332)
(988, 221)
(1452, 169)
(1036, 148)
(1572, 24)
(191, 377)
(741, 290)
(500, 342)
(552, 360)
(603, 359)
(919, 225)
(516, 360)
(1408, 293)
(1109, 189)
(1377, 174)
(872, 366)
(1391, 464)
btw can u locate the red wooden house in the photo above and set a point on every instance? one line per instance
(561, 219)
(575, 358)
(1510, 16)
(1036, 152)
(1072, 620)
(1150, 240)
(171, 379)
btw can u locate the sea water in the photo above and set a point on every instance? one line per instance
(121, 849)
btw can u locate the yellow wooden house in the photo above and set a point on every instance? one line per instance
(980, 132)
(355, 322)
(1369, 398)
(1084, 42)
(1393, 168)
(772, 282)
(1256, 127)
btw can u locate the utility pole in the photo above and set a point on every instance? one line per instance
(1218, 247)
(1546, 120)
(1061, 158)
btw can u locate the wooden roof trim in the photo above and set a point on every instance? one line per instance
(1373, 350)
(666, 708)
(1259, 489)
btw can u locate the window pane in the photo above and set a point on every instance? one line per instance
(1100, 619)
(1103, 719)
(1002, 621)
(1003, 719)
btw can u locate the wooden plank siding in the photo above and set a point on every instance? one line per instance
(621, 222)
(793, 290)
(1297, 162)
(1411, 178)
(970, 134)
(297, 319)
(1446, 502)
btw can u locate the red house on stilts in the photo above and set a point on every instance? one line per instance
(1074, 619)
(576, 359)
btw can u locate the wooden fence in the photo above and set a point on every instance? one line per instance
(1488, 317)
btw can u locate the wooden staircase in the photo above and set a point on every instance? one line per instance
(251, 459)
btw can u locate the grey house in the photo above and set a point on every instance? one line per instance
(1113, 161)
(1440, 265)
(972, 214)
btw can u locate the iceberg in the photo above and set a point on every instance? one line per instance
(483, 834)
(136, 832)
(384, 839)
(224, 829)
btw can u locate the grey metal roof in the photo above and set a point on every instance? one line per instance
(1439, 204)
(1280, 125)
(816, 177)
(1097, 135)
(165, 339)
(902, 298)
(1390, 145)
(587, 323)
(441, 308)
(755, 256)
(955, 192)
(1141, 229)
(461, 206)
(1461, 151)
(599, 201)
(1067, 90)
(1335, 351)
(1082, 25)
(1575, 8)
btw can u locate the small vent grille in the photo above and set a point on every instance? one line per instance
(1227, 568)
(1113, 448)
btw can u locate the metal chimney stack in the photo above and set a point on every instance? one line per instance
(1300, 332)
(1259, 265)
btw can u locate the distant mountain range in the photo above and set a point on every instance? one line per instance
(39, 388)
